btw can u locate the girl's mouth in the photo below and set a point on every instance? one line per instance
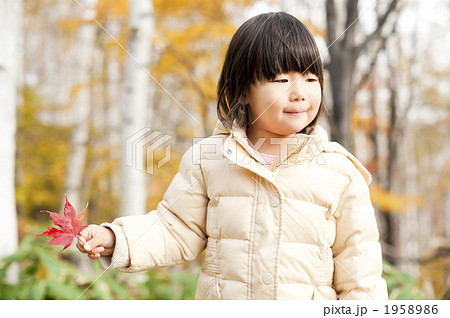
(295, 112)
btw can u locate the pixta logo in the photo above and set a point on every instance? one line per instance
(141, 148)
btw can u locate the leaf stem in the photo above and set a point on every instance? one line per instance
(80, 238)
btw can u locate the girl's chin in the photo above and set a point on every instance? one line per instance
(297, 126)
(294, 129)
(290, 133)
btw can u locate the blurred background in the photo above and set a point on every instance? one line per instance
(80, 79)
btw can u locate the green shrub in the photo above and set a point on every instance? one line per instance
(401, 285)
(45, 273)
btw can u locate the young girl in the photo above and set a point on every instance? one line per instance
(282, 212)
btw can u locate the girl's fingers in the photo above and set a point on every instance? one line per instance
(85, 234)
(94, 253)
(93, 256)
(81, 239)
(80, 247)
(85, 248)
(94, 242)
(98, 250)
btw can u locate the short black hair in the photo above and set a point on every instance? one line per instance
(263, 47)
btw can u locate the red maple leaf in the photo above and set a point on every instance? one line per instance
(71, 225)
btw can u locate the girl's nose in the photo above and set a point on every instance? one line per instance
(296, 91)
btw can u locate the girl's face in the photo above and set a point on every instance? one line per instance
(283, 106)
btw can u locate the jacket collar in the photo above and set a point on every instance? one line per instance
(303, 147)
(220, 129)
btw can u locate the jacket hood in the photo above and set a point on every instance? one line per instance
(319, 134)
(220, 129)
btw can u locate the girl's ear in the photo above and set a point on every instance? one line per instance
(246, 101)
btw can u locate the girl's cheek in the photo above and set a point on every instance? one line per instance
(317, 95)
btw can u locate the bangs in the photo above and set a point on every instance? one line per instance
(282, 46)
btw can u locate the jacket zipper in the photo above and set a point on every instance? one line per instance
(289, 156)
(243, 145)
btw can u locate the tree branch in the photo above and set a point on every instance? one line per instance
(331, 21)
(373, 61)
(377, 32)
(352, 16)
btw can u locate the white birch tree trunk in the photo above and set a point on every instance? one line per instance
(10, 63)
(135, 104)
(81, 107)
(114, 79)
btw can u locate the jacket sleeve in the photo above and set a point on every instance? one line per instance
(173, 233)
(356, 250)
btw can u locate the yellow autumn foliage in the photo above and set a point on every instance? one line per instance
(112, 9)
(393, 202)
(41, 157)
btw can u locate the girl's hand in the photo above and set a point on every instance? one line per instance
(96, 241)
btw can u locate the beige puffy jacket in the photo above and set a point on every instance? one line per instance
(304, 228)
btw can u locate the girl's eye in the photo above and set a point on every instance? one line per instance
(281, 80)
(311, 79)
